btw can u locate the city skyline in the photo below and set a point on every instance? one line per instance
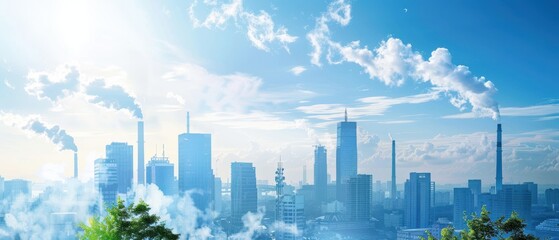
(257, 115)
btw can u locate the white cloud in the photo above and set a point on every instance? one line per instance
(369, 106)
(397, 122)
(529, 111)
(9, 85)
(394, 62)
(261, 30)
(297, 70)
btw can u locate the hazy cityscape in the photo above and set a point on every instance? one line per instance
(268, 120)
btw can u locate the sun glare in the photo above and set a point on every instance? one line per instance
(74, 24)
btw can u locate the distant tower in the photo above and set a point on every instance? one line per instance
(106, 180)
(499, 175)
(279, 180)
(160, 171)
(320, 174)
(393, 189)
(290, 209)
(244, 195)
(304, 174)
(123, 154)
(76, 165)
(346, 156)
(418, 200)
(141, 166)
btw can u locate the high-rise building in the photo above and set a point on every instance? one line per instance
(243, 190)
(393, 182)
(160, 171)
(195, 167)
(15, 187)
(218, 203)
(475, 186)
(418, 200)
(533, 188)
(360, 196)
(141, 165)
(514, 197)
(122, 153)
(320, 173)
(346, 156)
(463, 204)
(552, 198)
(499, 168)
(106, 180)
(291, 211)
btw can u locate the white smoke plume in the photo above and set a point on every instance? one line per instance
(112, 97)
(394, 62)
(66, 81)
(35, 125)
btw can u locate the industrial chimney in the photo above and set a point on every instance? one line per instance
(393, 188)
(141, 166)
(76, 165)
(499, 175)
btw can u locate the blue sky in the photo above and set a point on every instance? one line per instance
(271, 78)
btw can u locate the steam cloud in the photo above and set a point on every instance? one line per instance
(113, 97)
(393, 62)
(55, 134)
(31, 217)
(65, 81)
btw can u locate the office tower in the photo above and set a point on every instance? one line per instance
(195, 167)
(463, 204)
(499, 175)
(141, 166)
(15, 187)
(161, 173)
(106, 180)
(346, 156)
(475, 186)
(418, 200)
(360, 196)
(552, 198)
(217, 195)
(393, 188)
(122, 153)
(291, 211)
(304, 175)
(243, 190)
(533, 188)
(514, 197)
(320, 173)
(76, 165)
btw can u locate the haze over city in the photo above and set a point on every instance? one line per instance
(272, 80)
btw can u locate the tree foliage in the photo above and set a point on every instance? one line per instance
(127, 222)
(482, 228)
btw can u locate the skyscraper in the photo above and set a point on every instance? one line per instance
(360, 196)
(514, 197)
(418, 200)
(122, 153)
(393, 187)
(243, 190)
(346, 156)
(499, 168)
(161, 173)
(475, 186)
(463, 204)
(106, 180)
(291, 211)
(533, 188)
(195, 167)
(320, 173)
(141, 166)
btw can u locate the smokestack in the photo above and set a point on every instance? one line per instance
(499, 174)
(76, 165)
(393, 189)
(141, 166)
(187, 122)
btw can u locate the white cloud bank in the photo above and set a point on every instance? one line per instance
(393, 62)
(261, 29)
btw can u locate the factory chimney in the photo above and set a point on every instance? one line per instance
(499, 175)
(76, 165)
(141, 166)
(393, 189)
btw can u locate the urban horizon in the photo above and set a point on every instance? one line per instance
(244, 119)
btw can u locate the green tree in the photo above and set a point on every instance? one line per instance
(132, 222)
(482, 228)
